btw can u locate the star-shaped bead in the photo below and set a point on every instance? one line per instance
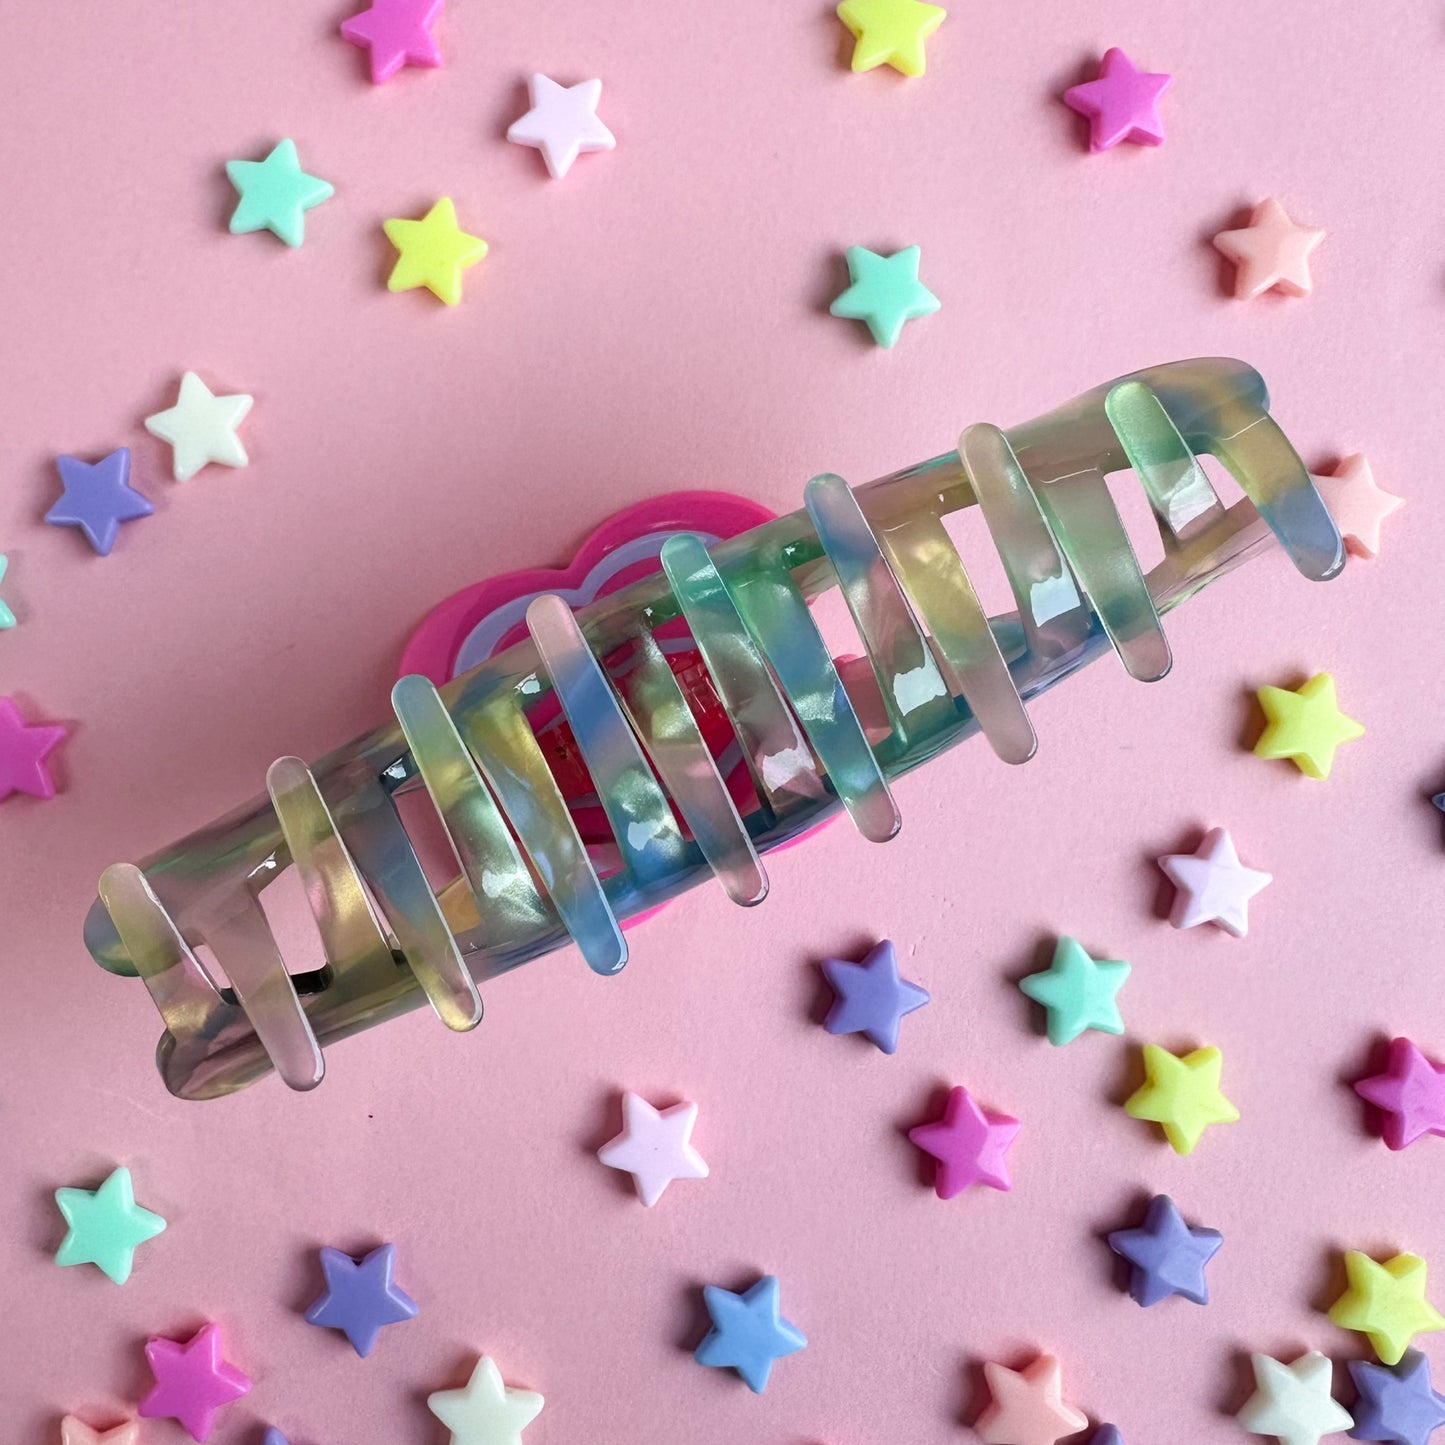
(361, 1296)
(885, 292)
(654, 1147)
(748, 1332)
(275, 194)
(107, 1226)
(1396, 1404)
(397, 33)
(1293, 1402)
(7, 617)
(1167, 1255)
(562, 123)
(1271, 253)
(1386, 1302)
(97, 498)
(201, 428)
(1212, 885)
(434, 252)
(870, 997)
(1106, 1435)
(1305, 725)
(890, 32)
(487, 1411)
(969, 1144)
(1079, 992)
(1181, 1094)
(274, 1437)
(1410, 1094)
(74, 1431)
(1122, 104)
(192, 1383)
(1357, 503)
(1026, 1407)
(23, 751)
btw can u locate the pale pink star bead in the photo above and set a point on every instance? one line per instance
(654, 1147)
(1271, 253)
(1213, 885)
(562, 123)
(1357, 504)
(1027, 1406)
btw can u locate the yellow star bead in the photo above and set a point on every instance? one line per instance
(890, 32)
(434, 252)
(1305, 726)
(1386, 1302)
(1181, 1094)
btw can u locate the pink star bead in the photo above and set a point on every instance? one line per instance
(1122, 104)
(74, 1431)
(1027, 1406)
(1213, 885)
(969, 1145)
(192, 1381)
(1410, 1094)
(1271, 253)
(1357, 504)
(397, 33)
(23, 751)
(562, 123)
(655, 1147)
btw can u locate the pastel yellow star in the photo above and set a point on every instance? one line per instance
(890, 32)
(1305, 726)
(1386, 1302)
(434, 252)
(1181, 1094)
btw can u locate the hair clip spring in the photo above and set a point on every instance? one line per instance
(814, 734)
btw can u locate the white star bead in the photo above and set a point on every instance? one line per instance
(487, 1411)
(201, 428)
(1293, 1402)
(562, 123)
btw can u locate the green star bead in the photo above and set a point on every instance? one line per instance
(7, 617)
(885, 292)
(275, 194)
(106, 1226)
(1079, 992)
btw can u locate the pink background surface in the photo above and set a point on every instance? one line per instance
(658, 320)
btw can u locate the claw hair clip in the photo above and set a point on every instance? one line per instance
(594, 742)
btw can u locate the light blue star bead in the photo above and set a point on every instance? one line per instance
(748, 1332)
(885, 292)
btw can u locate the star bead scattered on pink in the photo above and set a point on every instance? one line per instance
(74, 1431)
(654, 1147)
(1271, 253)
(1122, 104)
(1357, 504)
(562, 123)
(1027, 1406)
(969, 1145)
(397, 33)
(1410, 1094)
(1213, 885)
(192, 1381)
(23, 751)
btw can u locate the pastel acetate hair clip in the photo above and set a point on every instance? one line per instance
(598, 740)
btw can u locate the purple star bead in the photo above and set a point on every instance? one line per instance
(274, 1437)
(1168, 1257)
(1122, 104)
(360, 1296)
(1106, 1435)
(97, 498)
(1396, 1403)
(870, 996)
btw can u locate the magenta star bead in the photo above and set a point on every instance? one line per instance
(23, 751)
(969, 1145)
(397, 33)
(192, 1381)
(1122, 104)
(1410, 1094)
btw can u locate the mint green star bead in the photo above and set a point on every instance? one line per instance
(276, 194)
(1079, 992)
(7, 617)
(106, 1226)
(885, 292)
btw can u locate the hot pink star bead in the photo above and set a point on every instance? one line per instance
(23, 751)
(192, 1381)
(1357, 504)
(969, 1145)
(1410, 1094)
(397, 33)
(1027, 1407)
(1272, 253)
(1122, 104)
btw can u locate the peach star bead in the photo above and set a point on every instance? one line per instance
(1271, 253)
(1357, 504)
(1027, 1406)
(74, 1431)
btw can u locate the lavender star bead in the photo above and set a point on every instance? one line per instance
(1168, 1257)
(360, 1296)
(1396, 1403)
(97, 498)
(274, 1437)
(871, 998)
(1106, 1435)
